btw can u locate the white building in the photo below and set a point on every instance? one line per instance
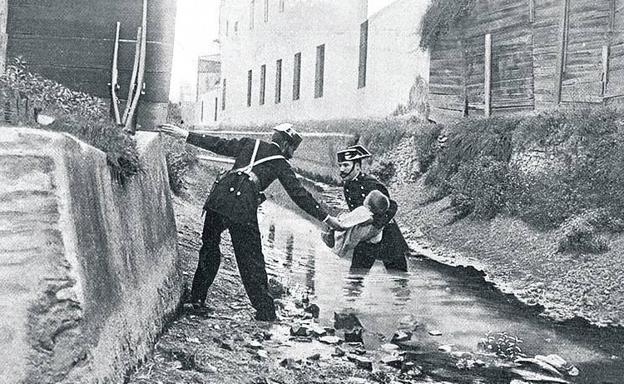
(317, 59)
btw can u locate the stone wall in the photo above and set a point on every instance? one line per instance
(88, 267)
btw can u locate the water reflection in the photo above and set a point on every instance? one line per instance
(290, 245)
(271, 236)
(401, 290)
(310, 269)
(354, 283)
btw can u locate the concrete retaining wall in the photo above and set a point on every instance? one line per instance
(88, 267)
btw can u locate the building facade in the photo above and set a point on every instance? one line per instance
(71, 42)
(510, 56)
(207, 109)
(316, 59)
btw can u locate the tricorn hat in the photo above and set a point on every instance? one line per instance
(355, 152)
(293, 137)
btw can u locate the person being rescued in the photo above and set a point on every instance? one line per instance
(359, 225)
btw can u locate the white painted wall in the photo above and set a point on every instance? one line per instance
(393, 59)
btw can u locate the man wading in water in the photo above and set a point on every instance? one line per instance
(392, 248)
(233, 203)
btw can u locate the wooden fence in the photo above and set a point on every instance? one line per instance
(511, 56)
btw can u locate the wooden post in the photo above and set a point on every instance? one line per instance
(561, 62)
(605, 68)
(487, 82)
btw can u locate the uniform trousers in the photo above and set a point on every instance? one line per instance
(391, 250)
(247, 245)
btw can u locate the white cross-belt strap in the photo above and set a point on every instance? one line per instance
(253, 161)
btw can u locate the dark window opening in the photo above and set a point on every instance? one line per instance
(297, 76)
(249, 87)
(320, 71)
(278, 81)
(223, 96)
(262, 83)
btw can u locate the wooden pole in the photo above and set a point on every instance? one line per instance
(141, 73)
(605, 68)
(135, 69)
(487, 82)
(561, 62)
(114, 78)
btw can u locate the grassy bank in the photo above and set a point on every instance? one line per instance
(535, 202)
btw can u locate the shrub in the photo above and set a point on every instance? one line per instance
(383, 170)
(180, 158)
(479, 188)
(586, 147)
(76, 113)
(427, 147)
(543, 200)
(581, 234)
(440, 17)
(503, 345)
(468, 140)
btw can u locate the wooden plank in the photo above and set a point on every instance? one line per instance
(561, 61)
(487, 83)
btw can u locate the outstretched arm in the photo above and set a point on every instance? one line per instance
(303, 198)
(215, 144)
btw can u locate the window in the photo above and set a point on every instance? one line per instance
(236, 28)
(262, 83)
(227, 28)
(252, 11)
(320, 71)
(278, 81)
(223, 96)
(363, 54)
(297, 76)
(249, 86)
(266, 11)
(201, 119)
(281, 5)
(216, 109)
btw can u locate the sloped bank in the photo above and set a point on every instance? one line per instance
(90, 267)
(516, 257)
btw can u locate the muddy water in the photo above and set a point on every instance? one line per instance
(456, 302)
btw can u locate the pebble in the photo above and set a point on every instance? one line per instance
(555, 360)
(532, 376)
(435, 332)
(401, 336)
(330, 340)
(262, 354)
(539, 363)
(339, 352)
(445, 348)
(254, 345)
(389, 347)
(392, 361)
(573, 371)
(315, 357)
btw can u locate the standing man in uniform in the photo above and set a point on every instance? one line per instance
(233, 202)
(393, 248)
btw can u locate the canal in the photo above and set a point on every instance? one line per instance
(454, 304)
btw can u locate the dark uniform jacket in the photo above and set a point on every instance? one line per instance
(237, 195)
(393, 244)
